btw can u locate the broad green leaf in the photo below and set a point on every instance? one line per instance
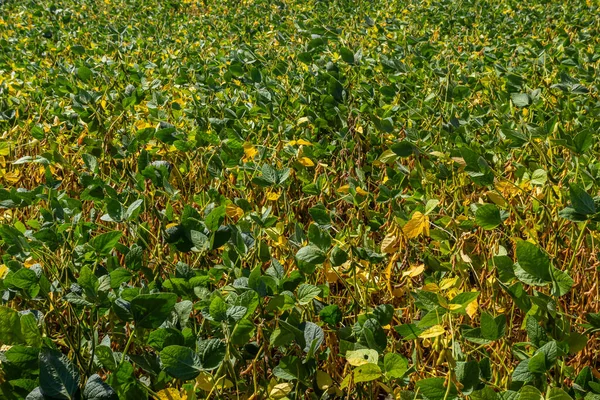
(435, 389)
(10, 326)
(306, 293)
(97, 389)
(180, 362)
(530, 393)
(394, 365)
(554, 393)
(151, 310)
(311, 254)
(331, 314)
(59, 378)
(211, 352)
(582, 202)
(22, 357)
(492, 328)
(218, 309)
(488, 216)
(30, 330)
(366, 373)
(105, 242)
(520, 99)
(534, 264)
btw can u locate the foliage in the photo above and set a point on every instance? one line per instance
(317, 199)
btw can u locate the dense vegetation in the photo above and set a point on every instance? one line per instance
(299, 199)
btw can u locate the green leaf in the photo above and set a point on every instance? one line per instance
(311, 254)
(521, 372)
(555, 393)
(320, 215)
(403, 148)
(218, 309)
(29, 330)
(151, 310)
(105, 242)
(366, 373)
(434, 389)
(84, 73)
(97, 389)
(530, 393)
(394, 365)
(562, 282)
(467, 374)
(215, 218)
(306, 293)
(313, 336)
(134, 209)
(211, 352)
(10, 326)
(488, 216)
(319, 237)
(289, 368)
(347, 55)
(520, 99)
(539, 177)
(487, 393)
(338, 256)
(106, 357)
(161, 338)
(384, 313)
(492, 328)
(331, 314)
(88, 282)
(180, 362)
(59, 378)
(550, 352)
(243, 332)
(534, 265)
(22, 357)
(582, 202)
(408, 331)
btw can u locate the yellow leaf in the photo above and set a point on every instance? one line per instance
(389, 270)
(472, 308)
(273, 196)
(307, 162)
(356, 358)
(447, 283)
(324, 381)
(303, 120)
(343, 189)
(418, 224)
(432, 332)
(361, 191)
(233, 211)
(250, 151)
(452, 307)
(414, 271)
(204, 381)
(12, 177)
(280, 390)
(3, 271)
(496, 198)
(304, 142)
(141, 124)
(169, 394)
(389, 244)
(431, 287)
